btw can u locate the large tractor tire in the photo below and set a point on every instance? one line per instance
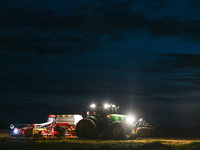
(117, 131)
(86, 128)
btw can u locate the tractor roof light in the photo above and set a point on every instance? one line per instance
(106, 106)
(93, 106)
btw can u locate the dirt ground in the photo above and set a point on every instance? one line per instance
(4, 133)
(8, 142)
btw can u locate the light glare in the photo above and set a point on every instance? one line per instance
(93, 106)
(106, 106)
(15, 131)
(130, 119)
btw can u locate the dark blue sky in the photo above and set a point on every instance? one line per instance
(60, 56)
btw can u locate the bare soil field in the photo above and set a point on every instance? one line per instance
(22, 143)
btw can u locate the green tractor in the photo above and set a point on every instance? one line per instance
(106, 122)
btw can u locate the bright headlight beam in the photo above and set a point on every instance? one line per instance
(106, 106)
(15, 130)
(130, 119)
(93, 106)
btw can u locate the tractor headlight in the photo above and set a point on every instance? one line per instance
(130, 119)
(16, 131)
(93, 106)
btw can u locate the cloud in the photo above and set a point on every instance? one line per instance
(184, 61)
(182, 69)
(48, 45)
(172, 62)
(48, 32)
(86, 28)
(193, 5)
(173, 26)
(153, 5)
(157, 4)
(42, 32)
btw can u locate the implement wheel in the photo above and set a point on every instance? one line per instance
(86, 128)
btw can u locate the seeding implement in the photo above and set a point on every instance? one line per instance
(58, 125)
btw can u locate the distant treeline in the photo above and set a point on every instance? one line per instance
(179, 132)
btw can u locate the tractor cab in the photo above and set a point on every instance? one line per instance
(103, 110)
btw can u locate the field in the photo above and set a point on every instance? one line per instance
(22, 143)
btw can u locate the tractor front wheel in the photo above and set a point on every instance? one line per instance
(117, 131)
(132, 137)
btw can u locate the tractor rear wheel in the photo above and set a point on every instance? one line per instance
(86, 128)
(117, 131)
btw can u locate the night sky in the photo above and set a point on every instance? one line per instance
(59, 56)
